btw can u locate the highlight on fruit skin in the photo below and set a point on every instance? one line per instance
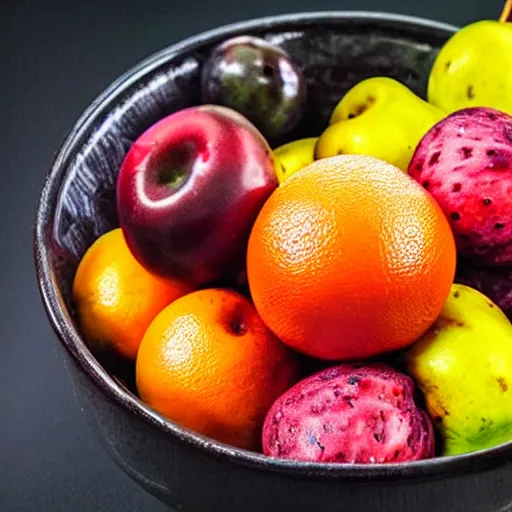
(349, 413)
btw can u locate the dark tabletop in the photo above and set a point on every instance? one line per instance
(54, 60)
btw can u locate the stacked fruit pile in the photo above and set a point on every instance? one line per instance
(335, 299)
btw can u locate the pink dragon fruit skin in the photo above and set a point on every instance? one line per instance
(349, 413)
(465, 162)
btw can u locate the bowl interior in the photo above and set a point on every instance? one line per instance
(334, 54)
(334, 50)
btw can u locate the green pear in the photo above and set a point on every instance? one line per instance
(378, 117)
(474, 67)
(463, 365)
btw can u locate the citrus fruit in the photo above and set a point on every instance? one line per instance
(209, 363)
(350, 258)
(116, 298)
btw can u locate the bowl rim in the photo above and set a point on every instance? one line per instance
(70, 338)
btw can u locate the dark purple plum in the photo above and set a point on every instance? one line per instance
(188, 193)
(493, 282)
(257, 79)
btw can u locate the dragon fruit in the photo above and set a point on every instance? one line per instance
(465, 162)
(349, 413)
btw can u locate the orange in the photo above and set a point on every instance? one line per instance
(116, 298)
(350, 258)
(209, 363)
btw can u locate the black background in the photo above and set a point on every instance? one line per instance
(55, 57)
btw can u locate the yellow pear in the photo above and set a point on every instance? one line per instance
(378, 117)
(474, 67)
(463, 365)
(294, 156)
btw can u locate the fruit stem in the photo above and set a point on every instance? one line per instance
(507, 9)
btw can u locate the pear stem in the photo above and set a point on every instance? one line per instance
(507, 9)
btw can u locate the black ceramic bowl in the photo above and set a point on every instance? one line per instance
(187, 471)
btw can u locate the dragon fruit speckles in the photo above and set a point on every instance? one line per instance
(349, 413)
(465, 162)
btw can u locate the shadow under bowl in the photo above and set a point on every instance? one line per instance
(77, 205)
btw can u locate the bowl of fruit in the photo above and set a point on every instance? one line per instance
(278, 259)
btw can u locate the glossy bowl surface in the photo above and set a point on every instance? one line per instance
(189, 472)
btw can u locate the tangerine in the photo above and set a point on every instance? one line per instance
(116, 298)
(209, 363)
(350, 258)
